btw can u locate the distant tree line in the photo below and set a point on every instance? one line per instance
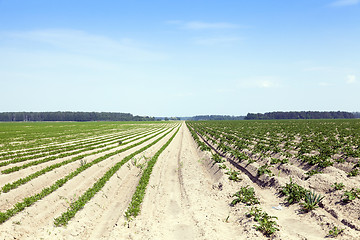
(356, 114)
(298, 115)
(216, 117)
(70, 116)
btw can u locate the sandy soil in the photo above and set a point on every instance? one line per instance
(188, 197)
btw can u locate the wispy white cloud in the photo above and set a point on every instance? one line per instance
(80, 42)
(325, 84)
(350, 79)
(260, 82)
(199, 25)
(216, 41)
(342, 3)
(206, 25)
(318, 69)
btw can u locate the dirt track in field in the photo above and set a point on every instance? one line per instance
(187, 197)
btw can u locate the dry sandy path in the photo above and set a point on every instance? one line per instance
(181, 201)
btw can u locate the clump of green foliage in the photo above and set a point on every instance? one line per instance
(354, 172)
(217, 158)
(338, 186)
(264, 170)
(351, 195)
(311, 201)
(293, 192)
(266, 223)
(245, 195)
(234, 175)
(335, 231)
(277, 160)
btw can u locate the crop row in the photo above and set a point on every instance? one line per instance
(28, 201)
(53, 149)
(9, 186)
(98, 185)
(138, 197)
(51, 158)
(17, 136)
(320, 151)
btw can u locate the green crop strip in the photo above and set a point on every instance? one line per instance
(37, 162)
(83, 146)
(49, 150)
(9, 186)
(28, 201)
(134, 207)
(83, 199)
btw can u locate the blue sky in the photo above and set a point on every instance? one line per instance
(180, 58)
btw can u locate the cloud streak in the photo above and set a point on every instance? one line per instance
(343, 3)
(199, 25)
(80, 42)
(216, 41)
(260, 82)
(351, 79)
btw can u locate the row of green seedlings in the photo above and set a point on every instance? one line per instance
(233, 174)
(265, 223)
(66, 148)
(98, 185)
(28, 201)
(201, 144)
(49, 150)
(138, 197)
(220, 138)
(223, 146)
(322, 160)
(311, 200)
(348, 195)
(32, 140)
(246, 195)
(48, 159)
(265, 169)
(9, 186)
(80, 147)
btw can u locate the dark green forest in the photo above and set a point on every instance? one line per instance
(70, 116)
(216, 117)
(299, 115)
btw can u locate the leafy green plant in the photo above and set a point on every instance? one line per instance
(234, 175)
(351, 195)
(222, 166)
(217, 158)
(338, 186)
(277, 160)
(254, 212)
(312, 201)
(245, 195)
(293, 192)
(266, 225)
(354, 172)
(335, 231)
(264, 170)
